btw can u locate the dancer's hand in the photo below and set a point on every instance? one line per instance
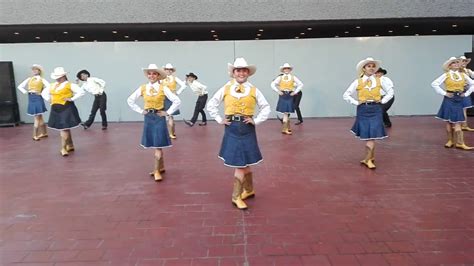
(292, 94)
(280, 93)
(449, 94)
(144, 112)
(68, 99)
(463, 94)
(249, 120)
(225, 122)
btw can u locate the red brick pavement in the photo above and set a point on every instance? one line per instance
(315, 204)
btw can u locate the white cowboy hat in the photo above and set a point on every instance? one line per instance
(366, 61)
(39, 67)
(465, 58)
(169, 66)
(448, 62)
(154, 67)
(285, 65)
(241, 63)
(58, 72)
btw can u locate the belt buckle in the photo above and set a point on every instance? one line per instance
(237, 118)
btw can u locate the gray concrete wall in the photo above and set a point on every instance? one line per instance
(159, 11)
(326, 66)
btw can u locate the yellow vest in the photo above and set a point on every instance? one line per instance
(59, 96)
(153, 101)
(287, 85)
(365, 94)
(453, 85)
(243, 106)
(35, 85)
(170, 82)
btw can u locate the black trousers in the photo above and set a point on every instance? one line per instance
(100, 102)
(199, 109)
(385, 107)
(296, 103)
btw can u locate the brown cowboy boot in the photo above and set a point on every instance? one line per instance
(36, 133)
(161, 166)
(236, 198)
(63, 150)
(156, 173)
(43, 131)
(460, 141)
(248, 191)
(450, 142)
(69, 144)
(368, 159)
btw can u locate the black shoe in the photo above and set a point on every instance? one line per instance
(84, 126)
(388, 125)
(299, 123)
(203, 124)
(104, 127)
(189, 123)
(281, 119)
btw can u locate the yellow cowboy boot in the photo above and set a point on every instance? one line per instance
(36, 133)
(368, 159)
(247, 184)
(460, 141)
(43, 131)
(450, 142)
(236, 195)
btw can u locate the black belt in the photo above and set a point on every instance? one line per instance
(287, 92)
(455, 92)
(370, 103)
(237, 118)
(153, 110)
(33, 93)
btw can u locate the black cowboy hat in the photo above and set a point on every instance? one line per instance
(191, 74)
(381, 70)
(78, 75)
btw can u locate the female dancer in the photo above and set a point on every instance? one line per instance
(287, 86)
(368, 125)
(452, 107)
(239, 147)
(172, 83)
(36, 107)
(155, 131)
(64, 114)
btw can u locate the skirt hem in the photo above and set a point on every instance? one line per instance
(377, 138)
(447, 120)
(47, 111)
(240, 166)
(60, 129)
(152, 147)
